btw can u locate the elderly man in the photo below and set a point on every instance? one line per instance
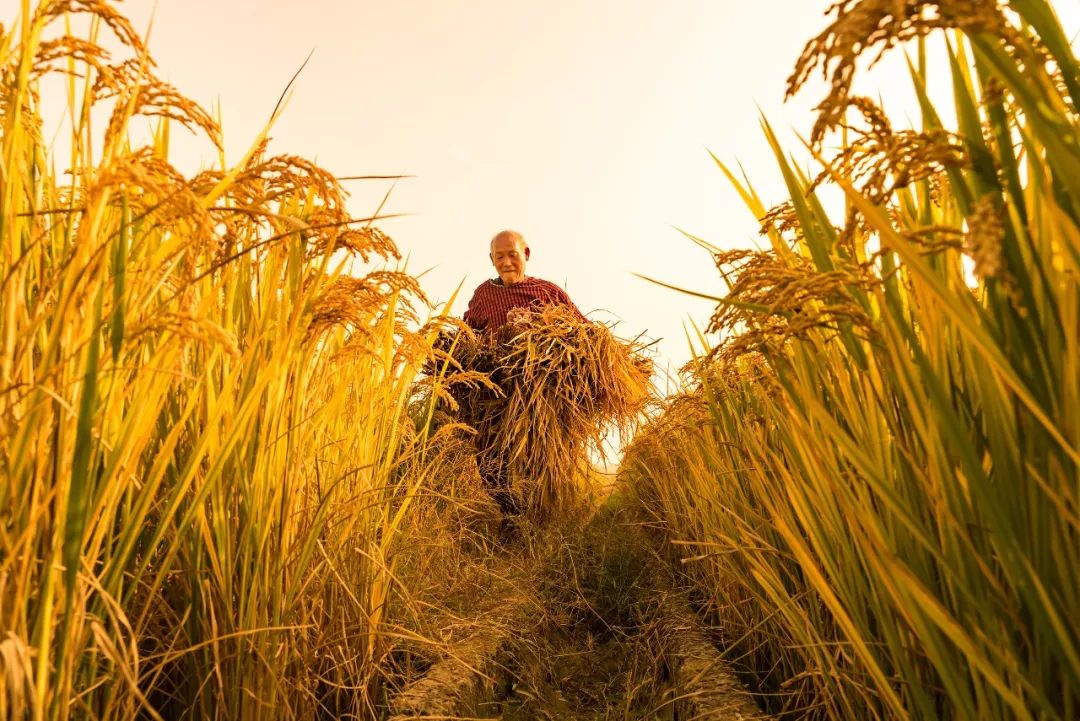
(489, 309)
(493, 300)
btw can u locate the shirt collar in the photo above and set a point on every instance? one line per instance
(497, 282)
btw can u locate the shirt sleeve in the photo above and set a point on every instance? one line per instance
(472, 313)
(564, 298)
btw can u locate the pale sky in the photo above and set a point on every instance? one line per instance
(584, 125)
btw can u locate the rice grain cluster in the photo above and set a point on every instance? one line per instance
(559, 390)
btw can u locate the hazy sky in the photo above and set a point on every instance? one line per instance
(583, 124)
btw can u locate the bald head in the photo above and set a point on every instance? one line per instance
(508, 254)
(509, 237)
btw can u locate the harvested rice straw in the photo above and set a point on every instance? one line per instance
(566, 386)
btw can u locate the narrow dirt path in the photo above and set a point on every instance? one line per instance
(600, 632)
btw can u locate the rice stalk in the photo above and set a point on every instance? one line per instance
(871, 478)
(559, 389)
(202, 404)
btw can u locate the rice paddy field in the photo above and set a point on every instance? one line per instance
(239, 475)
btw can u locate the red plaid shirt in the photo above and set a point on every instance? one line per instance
(492, 301)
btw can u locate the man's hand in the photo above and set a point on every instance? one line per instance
(519, 317)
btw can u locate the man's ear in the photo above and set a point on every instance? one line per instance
(528, 250)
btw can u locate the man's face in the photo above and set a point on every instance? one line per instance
(508, 255)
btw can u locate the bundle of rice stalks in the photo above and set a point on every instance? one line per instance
(559, 389)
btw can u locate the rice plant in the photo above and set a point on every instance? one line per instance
(872, 479)
(203, 414)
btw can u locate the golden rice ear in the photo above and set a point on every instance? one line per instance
(16, 677)
(861, 26)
